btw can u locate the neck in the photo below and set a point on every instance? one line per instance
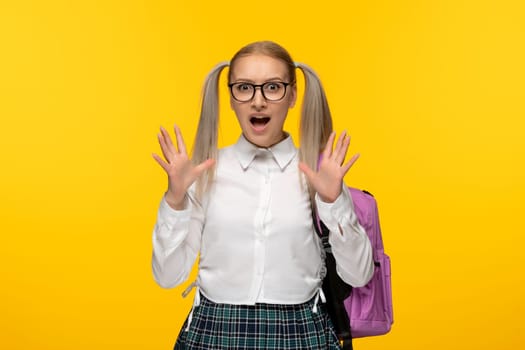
(283, 136)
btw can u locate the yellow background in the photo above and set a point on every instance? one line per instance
(431, 91)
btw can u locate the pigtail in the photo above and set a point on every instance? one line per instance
(316, 121)
(206, 138)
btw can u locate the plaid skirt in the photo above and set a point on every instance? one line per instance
(259, 326)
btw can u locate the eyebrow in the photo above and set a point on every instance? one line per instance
(239, 80)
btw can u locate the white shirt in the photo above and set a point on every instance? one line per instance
(254, 232)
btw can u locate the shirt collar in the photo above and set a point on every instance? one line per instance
(282, 152)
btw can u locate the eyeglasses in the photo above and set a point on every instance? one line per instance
(271, 90)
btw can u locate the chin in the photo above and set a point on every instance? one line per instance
(256, 140)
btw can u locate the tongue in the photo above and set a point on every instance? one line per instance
(259, 127)
(259, 123)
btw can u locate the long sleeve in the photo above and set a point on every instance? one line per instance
(176, 242)
(350, 244)
(251, 231)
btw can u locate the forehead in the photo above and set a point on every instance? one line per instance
(258, 68)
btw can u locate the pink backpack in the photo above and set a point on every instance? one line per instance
(368, 309)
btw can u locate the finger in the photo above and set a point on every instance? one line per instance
(167, 140)
(180, 140)
(343, 150)
(161, 162)
(349, 164)
(164, 147)
(339, 145)
(329, 145)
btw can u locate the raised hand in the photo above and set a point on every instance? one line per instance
(327, 181)
(179, 168)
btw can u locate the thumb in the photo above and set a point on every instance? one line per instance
(202, 167)
(310, 174)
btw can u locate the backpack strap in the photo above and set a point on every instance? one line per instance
(335, 289)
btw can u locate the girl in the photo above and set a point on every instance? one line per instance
(247, 211)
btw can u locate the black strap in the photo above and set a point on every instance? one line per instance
(335, 291)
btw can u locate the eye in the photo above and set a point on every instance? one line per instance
(243, 87)
(273, 86)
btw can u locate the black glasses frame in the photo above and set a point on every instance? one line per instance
(260, 86)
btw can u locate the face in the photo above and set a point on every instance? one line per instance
(261, 120)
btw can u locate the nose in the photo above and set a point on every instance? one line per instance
(258, 99)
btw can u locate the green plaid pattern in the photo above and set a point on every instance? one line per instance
(260, 326)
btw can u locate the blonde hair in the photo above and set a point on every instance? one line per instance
(206, 138)
(315, 122)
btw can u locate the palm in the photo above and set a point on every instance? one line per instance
(178, 166)
(328, 179)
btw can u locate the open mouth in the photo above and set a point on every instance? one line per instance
(259, 121)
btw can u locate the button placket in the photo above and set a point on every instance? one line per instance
(259, 226)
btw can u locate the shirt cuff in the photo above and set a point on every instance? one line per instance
(169, 217)
(336, 214)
